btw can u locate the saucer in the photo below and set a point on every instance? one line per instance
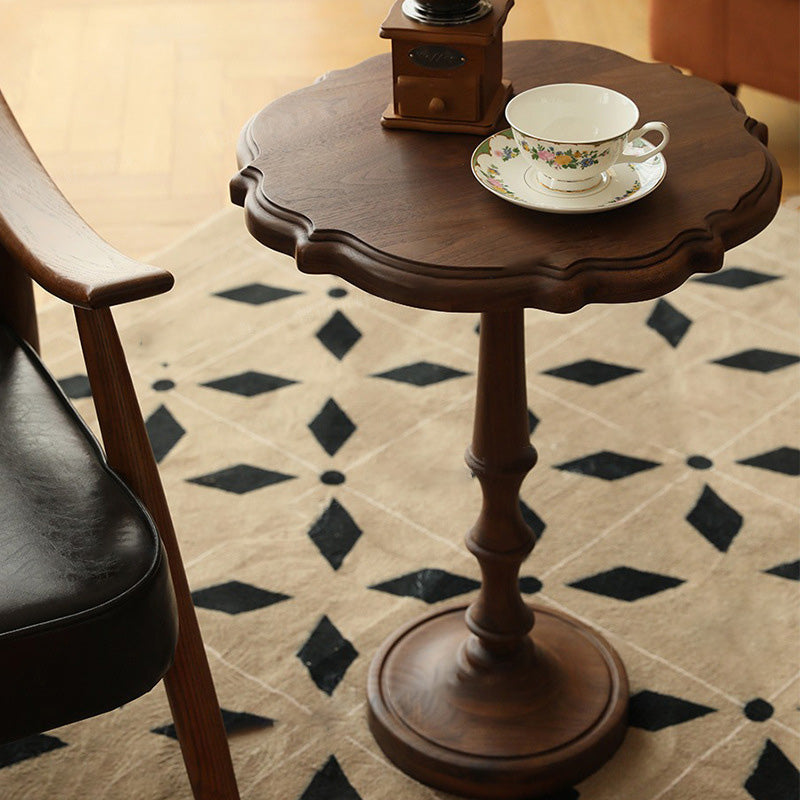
(499, 167)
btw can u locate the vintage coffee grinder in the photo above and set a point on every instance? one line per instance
(447, 65)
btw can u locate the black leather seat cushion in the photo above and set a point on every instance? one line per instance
(87, 610)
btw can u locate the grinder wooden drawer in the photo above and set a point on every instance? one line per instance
(436, 97)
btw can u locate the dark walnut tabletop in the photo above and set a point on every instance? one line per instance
(399, 214)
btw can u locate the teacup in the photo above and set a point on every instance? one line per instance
(573, 133)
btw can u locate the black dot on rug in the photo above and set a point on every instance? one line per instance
(758, 710)
(699, 462)
(337, 292)
(164, 385)
(332, 477)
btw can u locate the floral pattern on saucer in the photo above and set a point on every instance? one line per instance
(637, 185)
(499, 166)
(489, 171)
(492, 176)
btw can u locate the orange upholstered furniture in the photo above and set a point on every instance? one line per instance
(754, 42)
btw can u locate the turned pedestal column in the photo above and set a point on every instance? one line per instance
(499, 699)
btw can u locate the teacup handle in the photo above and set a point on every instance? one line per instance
(647, 154)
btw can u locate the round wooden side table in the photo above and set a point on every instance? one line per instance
(500, 699)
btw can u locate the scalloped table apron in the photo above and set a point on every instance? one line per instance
(500, 699)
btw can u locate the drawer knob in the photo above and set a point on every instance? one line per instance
(437, 105)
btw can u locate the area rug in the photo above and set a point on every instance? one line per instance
(311, 442)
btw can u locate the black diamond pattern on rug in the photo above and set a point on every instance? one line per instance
(335, 533)
(235, 597)
(249, 384)
(234, 722)
(256, 294)
(422, 373)
(607, 465)
(76, 387)
(738, 278)
(241, 479)
(533, 422)
(627, 583)
(785, 460)
(331, 427)
(429, 585)
(714, 519)
(652, 711)
(339, 335)
(242, 721)
(758, 360)
(330, 783)
(790, 570)
(668, 322)
(775, 777)
(591, 372)
(164, 432)
(327, 656)
(530, 585)
(532, 520)
(29, 747)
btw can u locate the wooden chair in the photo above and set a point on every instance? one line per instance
(94, 603)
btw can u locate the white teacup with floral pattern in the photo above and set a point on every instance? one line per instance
(573, 133)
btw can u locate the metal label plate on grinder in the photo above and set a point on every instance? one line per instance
(433, 56)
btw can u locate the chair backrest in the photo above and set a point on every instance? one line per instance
(731, 42)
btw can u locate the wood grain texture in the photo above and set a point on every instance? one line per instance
(469, 700)
(537, 725)
(41, 230)
(472, 701)
(399, 214)
(500, 456)
(189, 685)
(468, 99)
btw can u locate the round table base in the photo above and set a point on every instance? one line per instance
(517, 729)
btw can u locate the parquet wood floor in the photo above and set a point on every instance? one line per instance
(135, 107)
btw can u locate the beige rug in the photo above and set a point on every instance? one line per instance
(311, 442)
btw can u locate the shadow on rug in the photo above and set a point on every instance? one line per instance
(311, 438)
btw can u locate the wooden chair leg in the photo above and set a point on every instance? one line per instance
(190, 689)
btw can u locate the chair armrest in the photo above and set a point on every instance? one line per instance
(49, 239)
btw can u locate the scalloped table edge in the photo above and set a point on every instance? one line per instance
(326, 251)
